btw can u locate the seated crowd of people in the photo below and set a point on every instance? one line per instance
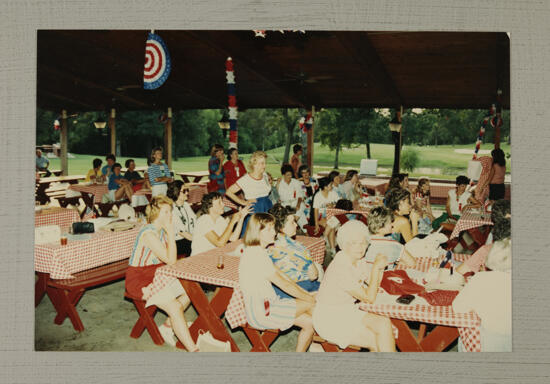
(281, 284)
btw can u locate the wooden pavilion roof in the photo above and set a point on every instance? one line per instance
(84, 70)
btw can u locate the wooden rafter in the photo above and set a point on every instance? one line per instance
(257, 65)
(363, 52)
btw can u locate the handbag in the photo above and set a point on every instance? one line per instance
(399, 283)
(83, 227)
(207, 343)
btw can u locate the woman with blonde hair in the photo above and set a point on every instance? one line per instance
(154, 247)
(264, 308)
(255, 186)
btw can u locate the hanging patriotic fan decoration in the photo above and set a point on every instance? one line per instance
(56, 124)
(306, 122)
(232, 102)
(157, 62)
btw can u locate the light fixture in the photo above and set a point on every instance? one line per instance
(395, 124)
(100, 124)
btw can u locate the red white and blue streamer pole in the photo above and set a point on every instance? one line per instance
(157, 62)
(232, 102)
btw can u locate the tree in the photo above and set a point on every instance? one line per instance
(335, 127)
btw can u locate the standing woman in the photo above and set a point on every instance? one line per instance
(215, 169)
(159, 174)
(255, 186)
(263, 307)
(184, 217)
(496, 176)
(296, 159)
(155, 246)
(233, 168)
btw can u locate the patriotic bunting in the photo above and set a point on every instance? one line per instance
(306, 122)
(232, 102)
(56, 124)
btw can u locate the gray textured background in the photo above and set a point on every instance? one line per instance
(528, 24)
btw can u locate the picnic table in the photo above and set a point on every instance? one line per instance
(374, 185)
(56, 216)
(44, 183)
(56, 262)
(202, 268)
(56, 172)
(448, 324)
(477, 224)
(98, 190)
(197, 176)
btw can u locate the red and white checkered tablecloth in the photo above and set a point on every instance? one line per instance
(374, 184)
(202, 268)
(98, 190)
(335, 212)
(63, 217)
(61, 261)
(196, 192)
(469, 220)
(468, 324)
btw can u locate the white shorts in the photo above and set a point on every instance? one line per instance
(172, 291)
(159, 189)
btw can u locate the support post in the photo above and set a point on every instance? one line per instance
(63, 143)
(310, 141)
(398, 142)
(112, 128)
(168, 138)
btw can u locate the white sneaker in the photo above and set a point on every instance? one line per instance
(168, 335)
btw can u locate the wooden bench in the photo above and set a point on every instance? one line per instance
(88, 199)
(66, 293)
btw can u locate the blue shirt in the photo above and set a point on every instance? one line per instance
(158, 170)
(42, 162)
(112, 184)
(213, 165)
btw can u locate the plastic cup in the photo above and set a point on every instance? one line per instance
(63, 240)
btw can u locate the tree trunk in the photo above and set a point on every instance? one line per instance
(336, 156)
(289, 128)
(367, 144)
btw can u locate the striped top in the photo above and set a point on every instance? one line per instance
(142, 255)
(158, 170)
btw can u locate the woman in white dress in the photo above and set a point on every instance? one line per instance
(336, 317)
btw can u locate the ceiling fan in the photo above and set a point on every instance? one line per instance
(302, 77)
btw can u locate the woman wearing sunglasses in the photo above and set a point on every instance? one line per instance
(184, 218)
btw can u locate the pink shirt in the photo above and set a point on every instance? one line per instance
(498, 176)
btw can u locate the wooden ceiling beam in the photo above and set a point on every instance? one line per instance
(67, 100)
(92, 84)
(258, 66)
(361, 50)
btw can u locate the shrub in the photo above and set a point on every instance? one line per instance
(409, 159)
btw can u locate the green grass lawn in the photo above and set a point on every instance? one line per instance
(442, 160)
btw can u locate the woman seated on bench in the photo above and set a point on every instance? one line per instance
(155, 246)
(289, 256)
(119, 187)
(336, 317)
(212, 229)
(264, 309)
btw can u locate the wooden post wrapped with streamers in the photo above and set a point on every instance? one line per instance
(232, 102)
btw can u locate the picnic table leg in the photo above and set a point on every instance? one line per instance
(197, 179)
(41, 193)
(68, 301)
(406, 342)
(185, 179)
(40, 287)
(260, 340)
(439, 338)
(208, 315)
